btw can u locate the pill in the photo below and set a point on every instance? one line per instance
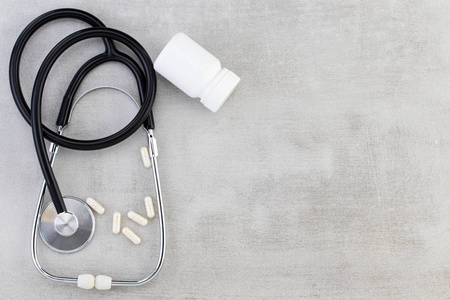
(116, 222)
(149, 207)
(146, 157)
(137, 218)
(131, 235)
(95, 205)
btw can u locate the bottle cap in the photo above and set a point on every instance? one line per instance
(219, 90)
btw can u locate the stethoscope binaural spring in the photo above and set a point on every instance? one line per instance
(69, 211)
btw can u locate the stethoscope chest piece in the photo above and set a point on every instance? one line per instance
(69, 231)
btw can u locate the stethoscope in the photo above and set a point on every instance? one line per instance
(68, 225)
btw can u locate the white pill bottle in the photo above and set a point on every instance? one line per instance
(196, 72)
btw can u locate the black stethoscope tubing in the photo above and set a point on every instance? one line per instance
(145, 78)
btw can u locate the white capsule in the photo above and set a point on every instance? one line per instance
(131, 235)
(146, 157)
(137, 218)
(95, 206)
(149, 207)
(116, 222)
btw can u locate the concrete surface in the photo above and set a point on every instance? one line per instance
(325, 175)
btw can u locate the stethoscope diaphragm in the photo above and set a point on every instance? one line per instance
(69, 232)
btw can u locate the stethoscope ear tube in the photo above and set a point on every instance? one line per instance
(146, 82)
(36, 103)
(23, 39)
(114, 55)
(147, 102)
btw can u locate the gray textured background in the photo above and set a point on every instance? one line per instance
(325, 175)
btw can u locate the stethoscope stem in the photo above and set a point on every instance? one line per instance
(34, 233)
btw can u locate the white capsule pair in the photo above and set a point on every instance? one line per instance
(133, 237)
(150, 210)
(132, 215)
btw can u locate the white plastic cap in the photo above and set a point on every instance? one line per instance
(220, 89)
(196, 72)
(86, 281)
